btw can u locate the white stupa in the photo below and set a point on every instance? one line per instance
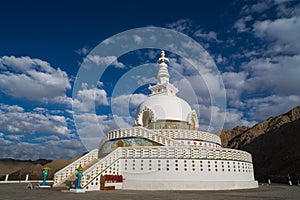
(163, 151)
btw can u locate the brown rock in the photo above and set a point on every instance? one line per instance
(273, 143)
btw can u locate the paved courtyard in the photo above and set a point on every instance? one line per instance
(276, 191)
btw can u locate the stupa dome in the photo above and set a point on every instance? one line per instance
(166, 107)
(163, 109)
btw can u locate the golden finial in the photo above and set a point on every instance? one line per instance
(46, 168)
(79, 168)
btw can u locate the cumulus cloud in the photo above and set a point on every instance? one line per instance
(87, 98)
(241, 24)
(264, 107)
(203, 83)
(137, 39)
(267, 83)
(104, 61)
(258, 6)
(283, 32)
(188, 27)
(279, 75)
(92, 128)
(182, 25)
(45, 138)
(33, 79)
(210, 36)
(211, 118)
(83, 51)
(14, 137)
(121, 104)
(235, 83)
(281, 7)
(49, 149)
(271, 84)
(14, 120)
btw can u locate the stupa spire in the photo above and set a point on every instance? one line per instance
(163, 85)
(163, 75)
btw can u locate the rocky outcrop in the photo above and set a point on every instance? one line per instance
(228, 135)
(273, 143)
(17, 169)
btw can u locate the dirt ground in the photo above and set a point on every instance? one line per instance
(275, 191)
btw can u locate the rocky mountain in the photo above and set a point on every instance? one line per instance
(273, 143)
(17, 169)
(228, 135)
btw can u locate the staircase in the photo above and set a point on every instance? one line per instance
(108, 165)
(93, 167)
(69, 172)
(91, 177)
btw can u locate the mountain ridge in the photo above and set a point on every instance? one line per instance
(273, 144)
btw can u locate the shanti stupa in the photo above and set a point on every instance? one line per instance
(163, 151)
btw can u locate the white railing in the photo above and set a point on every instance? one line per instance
(197, 143)
(145, 133)
(70, 169)
(99, 167)
(164, 136)
(164, 152)
(189, 134)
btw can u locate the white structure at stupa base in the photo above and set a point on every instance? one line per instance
(163, 151)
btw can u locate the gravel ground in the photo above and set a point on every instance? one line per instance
(275, 191)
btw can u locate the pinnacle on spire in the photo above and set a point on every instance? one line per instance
(162, 58)
(163, 86)
(162, 55)
(163, 74)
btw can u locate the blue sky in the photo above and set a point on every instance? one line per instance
(255, 46)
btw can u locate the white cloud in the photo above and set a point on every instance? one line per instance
(34, 79)
(283, 32)
(13, 119)
(285, 9)
(213, 115)
(105, 61)
(93, 128)
(83, 51)
(220, 59)
(195, 87)
(48, 150)
(121, 104)
(182, 25)
(188, 27)
(235, 83)
(40, 110)
(210, 36)
(267, 86)
(142, 80)
(271, 85)
(258, 7)
(87, 98)
(278, 74)
(273, 105)
(46, 138)
(137, 39)
(241, 24)
(14, 137)
(281, 7)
